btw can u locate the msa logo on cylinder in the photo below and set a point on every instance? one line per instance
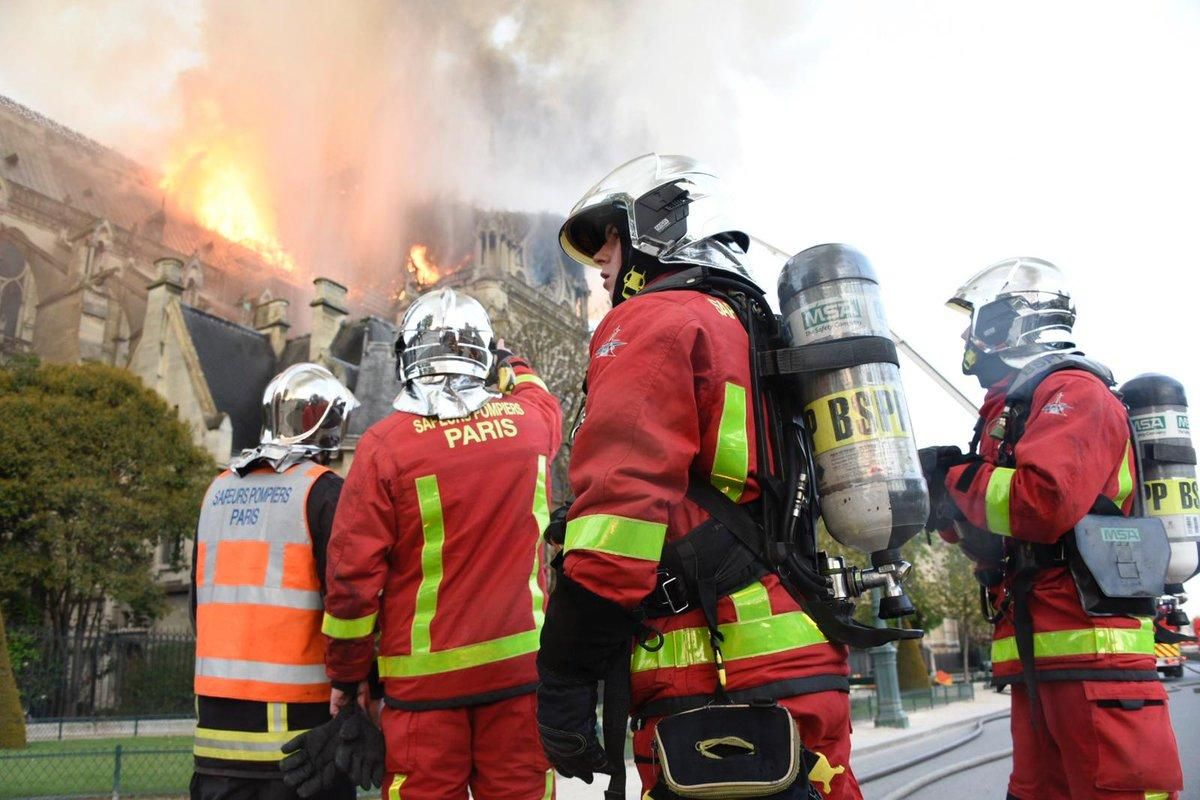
(831, 311)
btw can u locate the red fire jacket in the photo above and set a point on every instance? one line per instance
(437, 538)
(669, 396)
(1075, 447)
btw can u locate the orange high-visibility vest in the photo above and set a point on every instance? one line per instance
(258, 601)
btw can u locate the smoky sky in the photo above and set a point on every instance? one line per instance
(345, 113)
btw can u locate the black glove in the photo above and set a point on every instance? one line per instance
(360, 751)
(566, 714)
(935, 463)
(556, 529)
(309, 766)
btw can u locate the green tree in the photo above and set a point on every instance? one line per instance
(950, 591)
(12, 720)
(95, 472)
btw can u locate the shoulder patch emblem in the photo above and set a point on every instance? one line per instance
(609, 348)
(722, 308)
(1057, 406)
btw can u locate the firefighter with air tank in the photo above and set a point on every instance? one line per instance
(692, 534)
(1042, 503)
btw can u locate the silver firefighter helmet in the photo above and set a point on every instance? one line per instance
(305, 413)
(668, 209)
(305, 407)
(1020, 308)
(443, 333)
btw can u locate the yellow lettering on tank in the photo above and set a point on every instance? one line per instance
(856, 415)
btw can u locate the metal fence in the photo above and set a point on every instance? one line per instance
(118, 673)
(93, 770)
(863, 706)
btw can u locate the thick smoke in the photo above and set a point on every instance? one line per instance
(345, 116)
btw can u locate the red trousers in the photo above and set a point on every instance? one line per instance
(823, 719)
(491, 749)
(1108, 740)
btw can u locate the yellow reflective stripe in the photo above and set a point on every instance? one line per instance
(757, 637)
(731, 461)
(541, 514)
(1082, 642)
(433, 532)
(996, 504)
(1158, 796)
(394, 790)
(336, 628)
(276, 717)
(241, 745)
(1124, 477)
(751, 602)
(534, 379)
(549, 793)
(415, 665)
(618, 536)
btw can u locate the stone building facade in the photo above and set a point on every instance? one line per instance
(96, 266)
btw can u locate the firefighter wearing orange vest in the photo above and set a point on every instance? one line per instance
(1098, 726)
(257, 585)
(437, 540)
(669, 383)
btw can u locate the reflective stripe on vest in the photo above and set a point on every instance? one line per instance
(423, 659)
(256, 572)
(998, 498)
(1082, 642)
(731, 461)
(757, 632)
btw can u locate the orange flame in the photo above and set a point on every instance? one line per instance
(423, 269)
(227, 195)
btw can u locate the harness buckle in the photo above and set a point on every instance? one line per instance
(671, 592)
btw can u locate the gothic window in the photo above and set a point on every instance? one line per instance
(16, 286)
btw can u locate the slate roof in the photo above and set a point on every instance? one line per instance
(238, 363)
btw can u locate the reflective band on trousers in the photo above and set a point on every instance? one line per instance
(1081, 642)
(618, 536)
(998, 499)
(235, 669)
(757, 632)
(731, 461)
(241, 745)
(423, 660)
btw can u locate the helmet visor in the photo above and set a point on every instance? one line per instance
(445, 352)
(583, 234)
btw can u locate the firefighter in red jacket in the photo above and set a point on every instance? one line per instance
(1098, 724)
(437, 540)
(668, 401)
(257, 578)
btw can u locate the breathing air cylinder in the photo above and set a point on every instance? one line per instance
(1159, 415)
(873, 494)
